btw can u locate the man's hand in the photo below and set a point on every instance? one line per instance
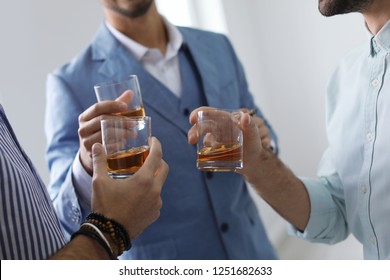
(89, 126)
(134, 202)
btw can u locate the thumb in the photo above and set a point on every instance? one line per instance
(99, 160)
(250, 130)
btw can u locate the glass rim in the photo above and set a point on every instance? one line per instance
(200, 113)
(125, 118)
(116, 81)
(222, 109)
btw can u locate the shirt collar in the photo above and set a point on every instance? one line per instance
(380, 41)
(139, 51)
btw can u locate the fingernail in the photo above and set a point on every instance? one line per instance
(96, 150)
(247, 120)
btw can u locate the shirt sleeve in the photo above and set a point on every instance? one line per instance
(61, 126)
(327, 221)
(82, 182)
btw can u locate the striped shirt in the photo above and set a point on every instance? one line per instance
(29, 226)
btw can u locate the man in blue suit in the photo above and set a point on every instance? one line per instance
(204, 215)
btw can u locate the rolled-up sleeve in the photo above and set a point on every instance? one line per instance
(327, 222)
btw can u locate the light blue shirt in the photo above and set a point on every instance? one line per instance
(352, 191)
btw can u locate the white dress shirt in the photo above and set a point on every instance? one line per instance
(164, 67)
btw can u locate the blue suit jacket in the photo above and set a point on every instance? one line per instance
(204, 215)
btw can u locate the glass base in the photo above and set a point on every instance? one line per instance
(216, 166)
(119, 175)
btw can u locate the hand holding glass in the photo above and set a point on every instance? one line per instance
(126, 140)
(113, 89)
(220, 140)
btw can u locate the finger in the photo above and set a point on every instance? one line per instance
(210, 140)
(99, 160)
(266, 141)
(244, 110)
(192, 135)
(264, 135)
(101, 108)
(88, 141)
(249, 127)
(153, 161)
(263, 131)
(162, 173)
(193, 116)
(90, 127)
(126, 97)
(257, 120)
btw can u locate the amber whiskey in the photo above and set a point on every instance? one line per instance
(125, 163)
(220, 158)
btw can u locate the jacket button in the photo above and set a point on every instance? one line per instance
(186, 112)
(209, 175)
(224, 227)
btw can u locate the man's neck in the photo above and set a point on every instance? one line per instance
(377, 15)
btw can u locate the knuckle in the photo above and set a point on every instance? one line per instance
(159, 202)
(157, 215)
(95, 109)
(86, 144)
(83, 142)
(96, 183)
(81, 118)
(81, 131)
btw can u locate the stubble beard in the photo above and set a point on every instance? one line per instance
(330, 8)
(140, 10)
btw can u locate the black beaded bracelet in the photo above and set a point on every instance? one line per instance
(116, 231)
(90, 232)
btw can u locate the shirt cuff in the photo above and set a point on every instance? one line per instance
(322, 210)
(82, 182)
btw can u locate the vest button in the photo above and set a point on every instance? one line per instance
(224, 227)
(186, 112)
(209, 175)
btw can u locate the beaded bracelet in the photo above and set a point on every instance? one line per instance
(115, 230)
(93, 232)
(97, 230)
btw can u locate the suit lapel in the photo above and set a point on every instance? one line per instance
(204, 62)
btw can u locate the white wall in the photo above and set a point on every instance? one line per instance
(36, 37)
(288, 50)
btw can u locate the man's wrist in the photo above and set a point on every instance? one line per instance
(93, 232)
(255, 172)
